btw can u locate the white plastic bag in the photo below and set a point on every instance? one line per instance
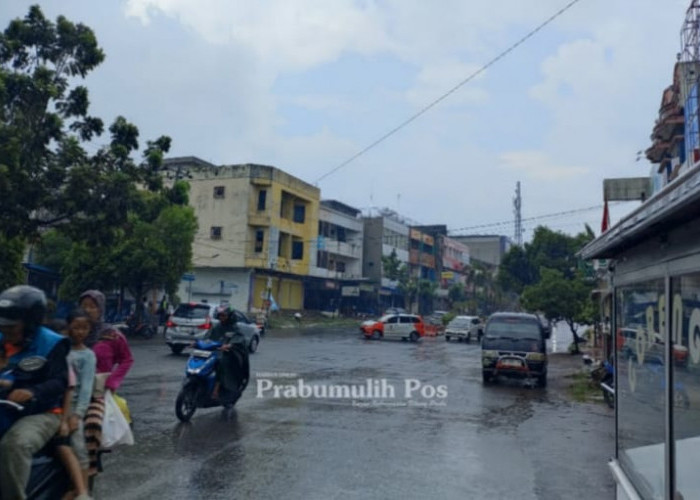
(115, 428)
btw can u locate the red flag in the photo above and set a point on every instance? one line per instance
(605, 225)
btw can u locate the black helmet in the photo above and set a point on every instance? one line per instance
(22, 303)
(222, 309)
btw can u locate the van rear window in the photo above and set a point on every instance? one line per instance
(513, 327)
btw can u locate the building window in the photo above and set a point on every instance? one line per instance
(219, 191)
(215, 232)
(342, 236)
(283, 249)
(299, 213)
(322, 259)
(259, 240)
(297, 250)
(262, 199)
(340, 267)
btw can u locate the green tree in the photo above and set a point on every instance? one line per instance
(408, 287)
(152, 250)
(156, 253)
(516, 270)
(561, 299)
(521, 266)
(553, 250)
(456, 294)
(425, 291)
(46, 176)
(391, 266)
(53, 250)
(11, 253)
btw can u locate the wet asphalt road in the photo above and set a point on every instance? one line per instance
(503, 441)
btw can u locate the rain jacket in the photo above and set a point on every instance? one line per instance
(233, 371)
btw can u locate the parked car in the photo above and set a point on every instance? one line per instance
(400, 326)
(194, 320)
(514, 345)
(464, 328)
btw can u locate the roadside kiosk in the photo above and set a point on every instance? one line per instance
(654, 269)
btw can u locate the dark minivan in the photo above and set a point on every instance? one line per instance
(514, 345)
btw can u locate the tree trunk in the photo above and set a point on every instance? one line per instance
(576, 338)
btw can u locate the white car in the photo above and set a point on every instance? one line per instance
(399, 326)
(464, 328)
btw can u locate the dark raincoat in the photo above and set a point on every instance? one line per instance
(233, 371)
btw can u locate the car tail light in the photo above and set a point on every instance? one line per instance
(170, 324)
(205, 326)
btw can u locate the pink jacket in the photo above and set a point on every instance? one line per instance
(110, 352)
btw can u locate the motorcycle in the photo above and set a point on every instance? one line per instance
(200, 380)
(48, 479)
(607, 384)
(134, 328)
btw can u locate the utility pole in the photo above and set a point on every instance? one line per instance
(517, 210)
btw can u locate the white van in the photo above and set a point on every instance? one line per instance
(464, 328)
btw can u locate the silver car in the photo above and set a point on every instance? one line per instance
(249, 329)
(194, 320)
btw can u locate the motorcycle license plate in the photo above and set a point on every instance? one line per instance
(198, 353)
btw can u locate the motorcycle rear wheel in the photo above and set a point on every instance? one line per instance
(186, 404)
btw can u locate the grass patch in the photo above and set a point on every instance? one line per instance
(583, 389)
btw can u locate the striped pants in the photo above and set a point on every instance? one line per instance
(93, 433)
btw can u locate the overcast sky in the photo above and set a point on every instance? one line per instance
(305, 84)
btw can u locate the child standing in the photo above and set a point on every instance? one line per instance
(82, 362)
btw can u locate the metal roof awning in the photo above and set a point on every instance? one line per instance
(676, 203)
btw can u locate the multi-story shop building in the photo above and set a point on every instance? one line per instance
(421, 256)
(451, 262)
(335, 278)
(385, 234)
(257, 228)
(455, 262)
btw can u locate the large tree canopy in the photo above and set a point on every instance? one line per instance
(112, 217)
(546, 274)
(561, 299)
(521, 266)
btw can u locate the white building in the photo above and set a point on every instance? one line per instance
(336, 265)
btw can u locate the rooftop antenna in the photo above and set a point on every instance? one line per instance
(517, 210)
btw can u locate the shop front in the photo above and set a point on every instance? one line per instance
(654, 269)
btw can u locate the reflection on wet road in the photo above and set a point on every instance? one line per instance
(501, 441)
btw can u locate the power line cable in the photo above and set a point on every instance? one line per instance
(451, 91)
(330, 241)
(530, 219)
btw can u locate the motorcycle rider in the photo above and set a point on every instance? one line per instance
(37, 358)
(233, 368)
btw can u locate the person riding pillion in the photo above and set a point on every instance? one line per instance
(233, 368)
(37, 358)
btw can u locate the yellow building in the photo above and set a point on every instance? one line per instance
(257, 229)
